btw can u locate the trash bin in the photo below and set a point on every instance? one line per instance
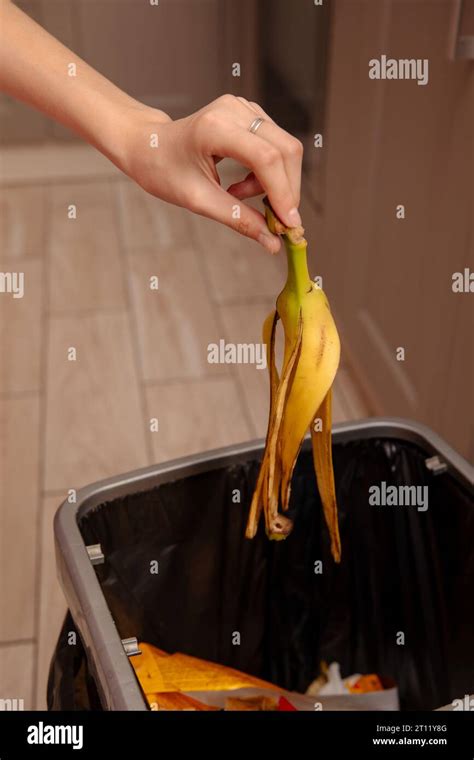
(159, 555)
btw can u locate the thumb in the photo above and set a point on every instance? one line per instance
(216, 203)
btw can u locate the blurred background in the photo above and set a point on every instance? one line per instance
(370, 146)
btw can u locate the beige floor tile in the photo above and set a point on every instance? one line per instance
(19, 495)
(243, 324)
(94, 426)
(85, 263)
(147, 221)
(195, 416)
(238, 269)
(20, 329)
(52, 604)
(176, 323)
(16, 673)
(22, 221)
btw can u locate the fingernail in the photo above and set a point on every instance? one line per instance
(294, 219)
(269, 241)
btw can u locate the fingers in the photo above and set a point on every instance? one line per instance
(291, 149)
(273, 156)
(247, 188)
(266, 162)
(215, 203)
(257, 108)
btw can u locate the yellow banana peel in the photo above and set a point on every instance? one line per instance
(301, 396)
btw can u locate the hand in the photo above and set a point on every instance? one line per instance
(181, 169)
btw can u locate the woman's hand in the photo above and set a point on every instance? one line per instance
(176, 161)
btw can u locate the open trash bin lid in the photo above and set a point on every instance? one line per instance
(400, 602)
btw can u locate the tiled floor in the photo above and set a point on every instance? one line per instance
(139, 354)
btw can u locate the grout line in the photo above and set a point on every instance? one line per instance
(42, 445)
(16, 642)
(132, 321)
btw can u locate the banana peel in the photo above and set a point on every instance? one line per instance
(300, 398)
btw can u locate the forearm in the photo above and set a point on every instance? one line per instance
(39, 70)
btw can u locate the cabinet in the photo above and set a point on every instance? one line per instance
(391, 143)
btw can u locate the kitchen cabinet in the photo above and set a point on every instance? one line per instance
(388, 271)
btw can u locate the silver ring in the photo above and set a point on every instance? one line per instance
(255, 124)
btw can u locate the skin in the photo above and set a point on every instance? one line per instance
(34, 68)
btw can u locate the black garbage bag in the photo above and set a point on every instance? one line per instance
(399, 604)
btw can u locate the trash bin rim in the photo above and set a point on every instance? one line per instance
(90, 496)
(116, 682)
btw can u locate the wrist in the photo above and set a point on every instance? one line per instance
(131, 128)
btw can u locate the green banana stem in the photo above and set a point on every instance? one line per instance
(298, 280)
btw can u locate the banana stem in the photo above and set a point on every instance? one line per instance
(298, 276)
(298, 280)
